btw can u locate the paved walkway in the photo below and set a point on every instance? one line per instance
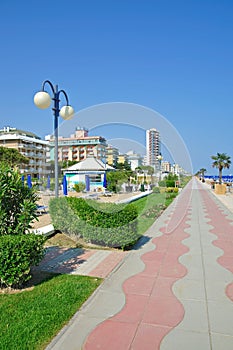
(173, 292)
(79, 261)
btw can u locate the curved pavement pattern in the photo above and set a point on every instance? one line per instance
(174, 291)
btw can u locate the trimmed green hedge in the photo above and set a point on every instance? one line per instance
(104, 224)
(18, 253)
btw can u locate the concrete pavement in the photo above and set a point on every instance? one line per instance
(173, 291)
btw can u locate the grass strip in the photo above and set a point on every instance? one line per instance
(150, 207)
(30, 319)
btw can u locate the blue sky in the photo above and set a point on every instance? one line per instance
(173, 57)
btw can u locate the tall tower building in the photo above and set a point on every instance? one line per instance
(153, 148)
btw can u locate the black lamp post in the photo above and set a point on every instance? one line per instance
(43, 100)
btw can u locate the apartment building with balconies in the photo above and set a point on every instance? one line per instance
(112, 154)
(29, 145)
(78, 146)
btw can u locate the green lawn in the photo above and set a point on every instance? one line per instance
(29, 320)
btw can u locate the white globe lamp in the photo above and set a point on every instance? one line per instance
(42, 100)
(67, 112)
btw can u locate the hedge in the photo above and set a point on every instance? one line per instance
(18, 253)
(105, 224)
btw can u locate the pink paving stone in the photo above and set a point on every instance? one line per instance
(226, 246)
(161, 243)
(151, 268)
(149, 337)
(138, 284)
(176, 220)
(154, 255)
(172, 267)
(133, 309)
(177, 247)
(163, 287)
(111, 336)
(229, 291)
(226, 262)
(163, 311)
(179, 236)
(108, 264)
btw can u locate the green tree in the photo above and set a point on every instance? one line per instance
(12, 157)
(202, 172)
(169, 181)
(221, 161)
(67, 163)
(123, 166)
(115, 179)
(149, 169)
(17, 202)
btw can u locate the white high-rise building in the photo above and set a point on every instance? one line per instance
(153, 148)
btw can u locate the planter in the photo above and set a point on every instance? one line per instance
(220, 189)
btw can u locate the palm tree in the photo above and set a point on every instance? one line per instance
(221, 161)
(202, 172)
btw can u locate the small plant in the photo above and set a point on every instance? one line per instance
(79, 187)
(155, 211)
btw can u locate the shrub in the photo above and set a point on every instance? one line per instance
(156, 190)
(162, 189)
(17, 254)
(17, 202)
(170, 183)
(63, 217)
(104, 224)
(172, 190)
(162, 183)
(79, 187)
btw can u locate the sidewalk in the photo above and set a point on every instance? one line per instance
(173, 292)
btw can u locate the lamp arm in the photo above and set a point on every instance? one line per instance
(66, 97)
(50, 84)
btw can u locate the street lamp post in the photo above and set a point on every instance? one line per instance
(43, 100)
(160, 158)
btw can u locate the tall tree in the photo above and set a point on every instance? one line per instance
(150, 170)
(221, 161)
(115, 179)
(12, 157)
(202, 172)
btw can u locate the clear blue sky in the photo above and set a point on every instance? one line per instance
(174, 57)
